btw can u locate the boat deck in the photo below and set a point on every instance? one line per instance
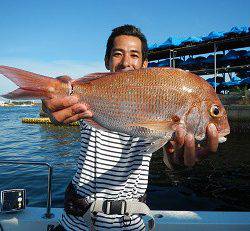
(32, 219)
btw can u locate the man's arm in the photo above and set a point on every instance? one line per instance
(66, 110)
(184, 151)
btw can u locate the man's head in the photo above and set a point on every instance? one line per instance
(126, 49)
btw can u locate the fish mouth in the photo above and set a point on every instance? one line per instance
(222, 137)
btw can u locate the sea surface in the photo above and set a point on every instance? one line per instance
(220, 182)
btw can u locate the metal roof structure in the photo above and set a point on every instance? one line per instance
(204, 47)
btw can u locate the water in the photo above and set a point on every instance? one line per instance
(220, 182)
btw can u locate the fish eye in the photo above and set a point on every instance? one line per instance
(214, 111)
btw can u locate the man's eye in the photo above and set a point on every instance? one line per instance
(135, 56)
(117, 54)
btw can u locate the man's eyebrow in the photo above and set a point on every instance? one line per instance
(117, 49)
(120, 49)
(135, 51)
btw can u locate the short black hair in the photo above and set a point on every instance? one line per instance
(127, 30)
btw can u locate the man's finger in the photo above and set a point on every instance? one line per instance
(189, 151)
(78, 117)
(169, 147)
(179, 137)
(56, 104)
(212, 138)
(68, 112)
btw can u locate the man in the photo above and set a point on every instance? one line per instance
(111, 166)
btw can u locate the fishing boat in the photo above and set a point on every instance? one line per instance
(22, 218)
(39, 219)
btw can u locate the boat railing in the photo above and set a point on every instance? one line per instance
(48, 213)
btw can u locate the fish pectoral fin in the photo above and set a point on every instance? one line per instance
(158, 143)
(161, 126)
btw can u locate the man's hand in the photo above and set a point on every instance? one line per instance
(183, 149)
(66, 110)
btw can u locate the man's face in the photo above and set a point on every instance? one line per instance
(126, 54)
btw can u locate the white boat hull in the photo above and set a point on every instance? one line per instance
(32, 219)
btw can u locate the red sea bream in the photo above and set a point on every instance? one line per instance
(148, 103)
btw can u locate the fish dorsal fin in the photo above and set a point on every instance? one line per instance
(161, 126)
(92, 76)
(64, 78)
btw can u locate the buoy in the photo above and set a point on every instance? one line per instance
(45, 120)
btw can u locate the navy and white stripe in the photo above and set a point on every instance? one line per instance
(111, 166)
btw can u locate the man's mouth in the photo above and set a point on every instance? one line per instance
(126, 69)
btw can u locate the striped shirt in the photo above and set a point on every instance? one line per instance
(111, 166)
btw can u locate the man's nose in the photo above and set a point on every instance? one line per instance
(125, 62)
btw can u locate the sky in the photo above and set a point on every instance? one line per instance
(62, 37)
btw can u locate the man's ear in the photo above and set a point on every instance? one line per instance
(106, 63)
(145, 64)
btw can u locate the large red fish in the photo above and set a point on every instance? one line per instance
(148, 103)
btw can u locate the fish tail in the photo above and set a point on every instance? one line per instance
(31, 85)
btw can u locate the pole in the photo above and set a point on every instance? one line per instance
(215, 69)
(48, 213)
(170, 60)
